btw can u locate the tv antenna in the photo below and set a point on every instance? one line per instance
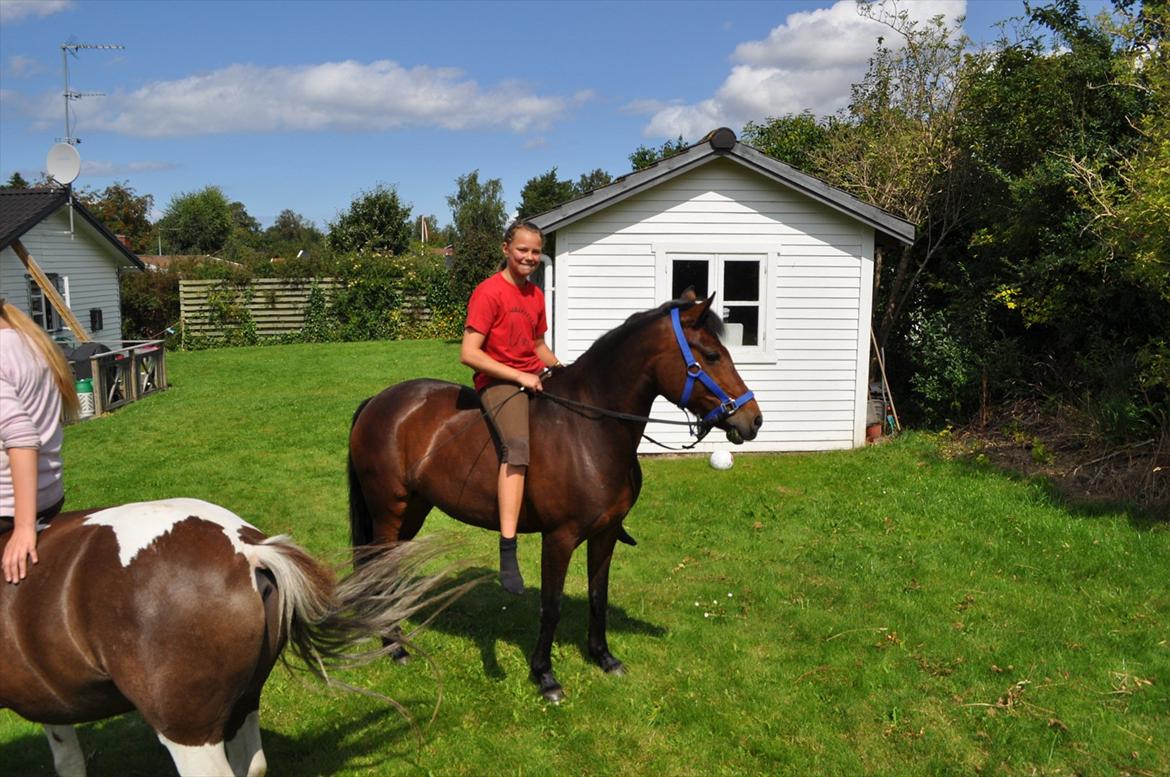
(70, 95)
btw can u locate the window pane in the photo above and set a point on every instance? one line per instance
(746, 316)
(36, 304)
(741, 280)
(688, 272)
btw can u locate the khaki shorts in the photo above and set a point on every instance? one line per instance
(506, 408)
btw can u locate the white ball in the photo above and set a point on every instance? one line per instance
(722, 459)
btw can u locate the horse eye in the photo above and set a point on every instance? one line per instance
(711, 356)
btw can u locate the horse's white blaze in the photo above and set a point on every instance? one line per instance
(200, 760)
(137, 526)
(68, 759)
(244, 751)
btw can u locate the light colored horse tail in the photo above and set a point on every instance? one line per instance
(326, 620)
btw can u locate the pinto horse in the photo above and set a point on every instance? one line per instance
(423, 443)
(180, 609)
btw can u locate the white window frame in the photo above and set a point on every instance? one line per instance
(48, 318)
(715, 257)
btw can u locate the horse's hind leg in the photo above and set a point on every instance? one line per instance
(68, 759)
(199, 760)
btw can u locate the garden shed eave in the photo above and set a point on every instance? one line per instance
(702, 153)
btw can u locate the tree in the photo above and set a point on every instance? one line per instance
(644, 156)
(798, 139)
(15, 181)
(290, 234)
(197, 222)
(123, 212)
(896, 147)
(592, 180)
(478, 217)
(544, 192)
(376, 220)
(1122, 185)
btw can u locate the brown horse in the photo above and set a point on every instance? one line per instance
(179, 609)
(423, 443)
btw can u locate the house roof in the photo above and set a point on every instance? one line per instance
(23, 209)
(722, 144)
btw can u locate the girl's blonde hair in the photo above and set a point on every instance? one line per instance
(62, 374)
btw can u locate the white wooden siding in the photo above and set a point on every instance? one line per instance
(85, 257)
(810, 377)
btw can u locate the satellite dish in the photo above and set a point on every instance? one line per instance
(64, 163)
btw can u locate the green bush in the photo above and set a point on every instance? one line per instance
(150, 305)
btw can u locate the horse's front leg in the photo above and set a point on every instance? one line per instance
(556, 550)
(600, 554)
(68, 758)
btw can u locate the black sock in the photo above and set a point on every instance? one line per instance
(510, 577)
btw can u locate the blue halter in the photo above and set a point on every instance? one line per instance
(727, 405)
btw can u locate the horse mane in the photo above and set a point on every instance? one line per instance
(609, 341)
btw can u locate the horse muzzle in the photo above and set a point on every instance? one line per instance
(743, 425)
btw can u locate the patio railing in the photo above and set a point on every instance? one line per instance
(126, 374)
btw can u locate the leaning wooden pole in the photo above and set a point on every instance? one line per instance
(877, 352)
(50, 292)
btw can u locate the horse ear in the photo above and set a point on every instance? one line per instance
(703, 309)
(688, 294)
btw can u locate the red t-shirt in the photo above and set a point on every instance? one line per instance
(511, 319)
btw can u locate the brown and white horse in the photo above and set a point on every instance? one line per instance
(179, 609)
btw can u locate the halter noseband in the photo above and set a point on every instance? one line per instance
(727, 405)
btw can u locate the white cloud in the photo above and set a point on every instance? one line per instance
(807, 63)
(348, 96)
(15, 10)
(21, 67)
(99, 168)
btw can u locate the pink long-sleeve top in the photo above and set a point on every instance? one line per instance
(30, 417)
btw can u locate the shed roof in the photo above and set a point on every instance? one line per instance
(723, 144)
(23, 209)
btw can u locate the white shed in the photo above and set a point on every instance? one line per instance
(78, 255)
(790, 258)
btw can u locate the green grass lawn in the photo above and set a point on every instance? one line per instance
(881, 611)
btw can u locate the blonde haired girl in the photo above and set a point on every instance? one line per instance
(36, 390)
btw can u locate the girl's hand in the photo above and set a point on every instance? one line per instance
(531, 382)
(21, 547)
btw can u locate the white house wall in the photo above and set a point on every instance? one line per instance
(810, 376)
(85, 258)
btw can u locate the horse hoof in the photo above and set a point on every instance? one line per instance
(610, 665)
(401, 656)
(550, 689)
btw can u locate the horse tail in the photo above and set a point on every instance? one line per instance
(361, 526)
(325, 619)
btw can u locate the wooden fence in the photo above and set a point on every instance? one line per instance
(276, 305)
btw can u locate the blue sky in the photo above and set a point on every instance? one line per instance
(304, 104)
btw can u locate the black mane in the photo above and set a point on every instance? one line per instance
(635, 323)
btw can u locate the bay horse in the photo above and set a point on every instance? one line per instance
(424, 443)
(179, 609)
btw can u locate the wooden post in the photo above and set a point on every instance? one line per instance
(50, 292)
